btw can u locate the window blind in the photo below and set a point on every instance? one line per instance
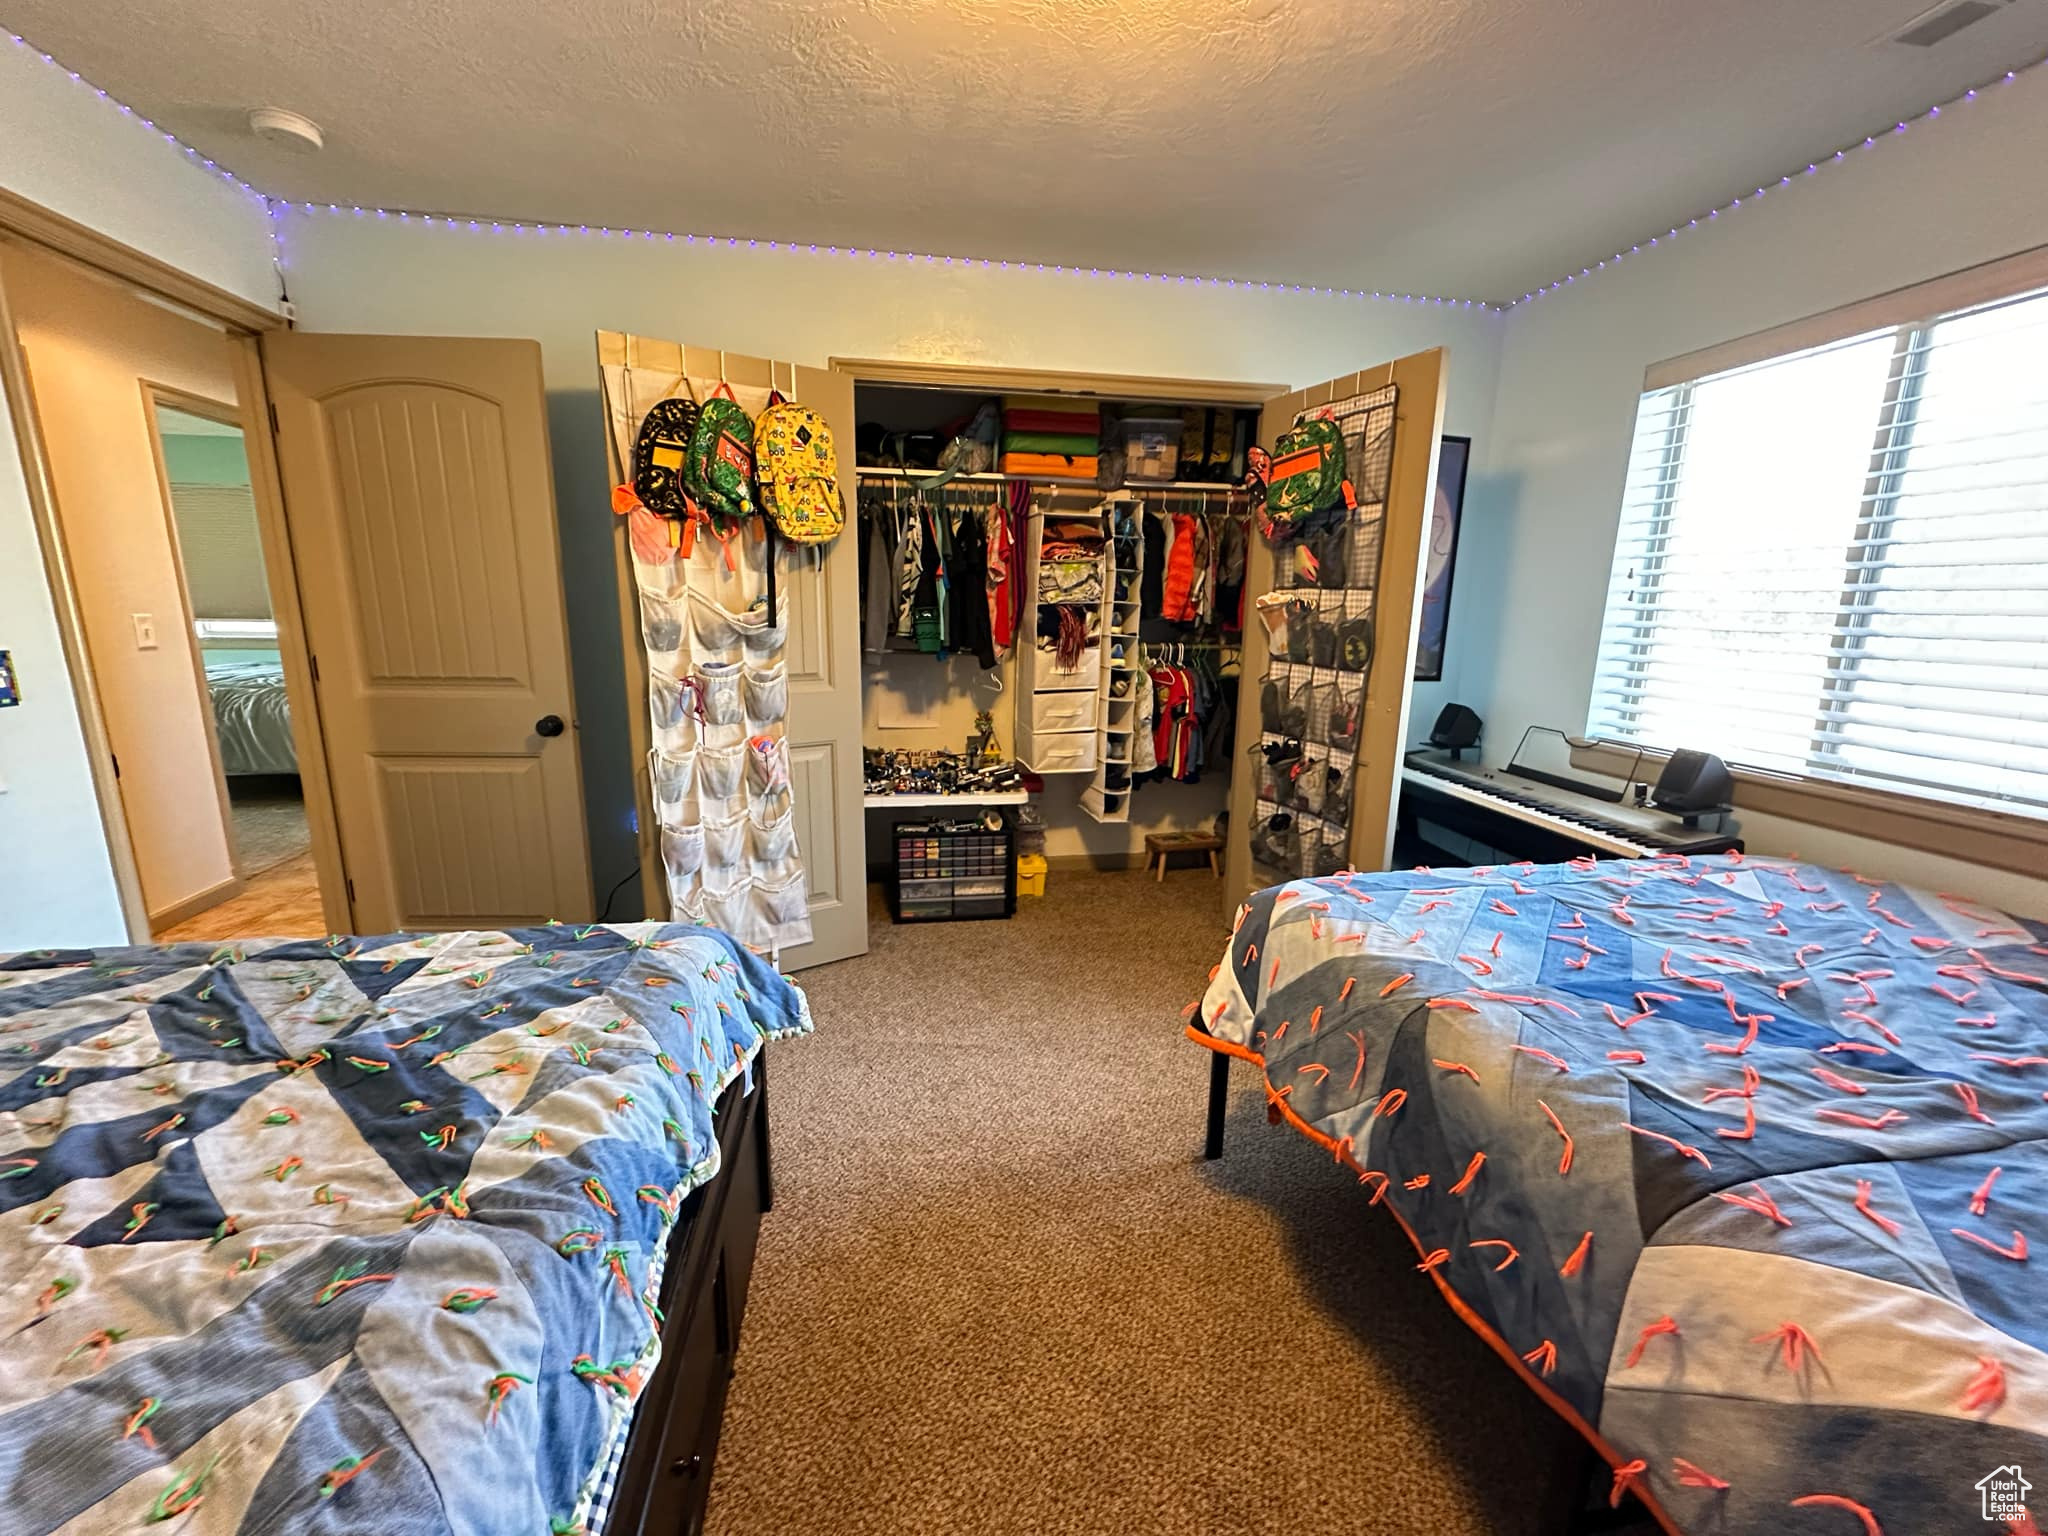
(1834, 563)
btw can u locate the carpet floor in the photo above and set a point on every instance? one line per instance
(269, 814)
(1001, 1291)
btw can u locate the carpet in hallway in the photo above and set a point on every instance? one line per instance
(1001, 1292)
(269, 816)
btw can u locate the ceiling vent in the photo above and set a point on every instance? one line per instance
(1945, 21)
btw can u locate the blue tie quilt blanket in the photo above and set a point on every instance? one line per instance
(360, 1234)
(1741, 1164)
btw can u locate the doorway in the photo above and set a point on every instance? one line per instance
(129, 397)
(203, 466)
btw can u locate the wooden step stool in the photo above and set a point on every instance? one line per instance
(1161, 845)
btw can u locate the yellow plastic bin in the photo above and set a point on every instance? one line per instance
(1030, 874)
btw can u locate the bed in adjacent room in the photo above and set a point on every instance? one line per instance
(251, 715)
(1736, 1162)
(376, 1233)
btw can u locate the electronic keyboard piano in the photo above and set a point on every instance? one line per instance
(1522, 818)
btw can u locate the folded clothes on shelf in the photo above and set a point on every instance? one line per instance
(1082, 467)
(1033, 419)
(1068, 444)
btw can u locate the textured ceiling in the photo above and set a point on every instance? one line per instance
(1469, 148)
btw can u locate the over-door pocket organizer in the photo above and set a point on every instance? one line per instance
(714, 629)
(717, 685)
(771, 830)
(718, 771)
(730, 909)
(673, 775)
(725, 840)
(767, 764)
(661, 626)
(764, 691)
(784, 903)
(682, 851)
(718, 702)
(670, 704)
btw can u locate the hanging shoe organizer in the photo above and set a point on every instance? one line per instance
(1108, 798)
(1318, 625)
(718, 702)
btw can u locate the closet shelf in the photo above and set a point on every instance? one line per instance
(1088, 484)
(985, 797)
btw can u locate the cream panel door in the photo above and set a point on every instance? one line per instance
(821, 586)
(421, 507)
(1397, 612)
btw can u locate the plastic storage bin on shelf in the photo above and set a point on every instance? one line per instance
(1151, 447)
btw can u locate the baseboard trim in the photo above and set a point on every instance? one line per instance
(195, 904)
(1087, 863)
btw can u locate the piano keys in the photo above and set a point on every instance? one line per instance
(1520, 818)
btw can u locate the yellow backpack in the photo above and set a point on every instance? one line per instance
(798, 473)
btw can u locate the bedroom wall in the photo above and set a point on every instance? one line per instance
(1946, 195)
(217, 529)
(56, 880)
(351, 273)
(89, 345)
(63, 146)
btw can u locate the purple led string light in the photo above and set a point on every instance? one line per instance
(192, 154)
(275, 209)
(1812, 168)
(538, 228)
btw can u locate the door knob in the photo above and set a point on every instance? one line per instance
(548, 725)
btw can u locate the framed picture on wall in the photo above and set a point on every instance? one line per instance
(1446, 513)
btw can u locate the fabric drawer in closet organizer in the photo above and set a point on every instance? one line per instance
(1070, 710)
(403, 1279)
(1064, 752)
(1048, 674)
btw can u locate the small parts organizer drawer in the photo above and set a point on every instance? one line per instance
(951, 870)
(1073, 711)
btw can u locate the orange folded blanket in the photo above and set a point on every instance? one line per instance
(1050, 464)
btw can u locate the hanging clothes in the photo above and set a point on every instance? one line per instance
(1152, 588)
(878, 577)
(1002, 581)
(931, 604)
(1144, 758)
(910, 561)
(1219, 721)
(967, 583)
(1173, 733)
(1231, 552)
(1176, 598)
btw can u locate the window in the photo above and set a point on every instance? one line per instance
(1834, 563)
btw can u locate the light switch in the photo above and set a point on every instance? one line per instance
(145, 631)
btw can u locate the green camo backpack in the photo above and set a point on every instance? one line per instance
(720, 473)
(1307, 476)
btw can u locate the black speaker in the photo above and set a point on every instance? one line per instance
(1456, 729)
(1693, 782)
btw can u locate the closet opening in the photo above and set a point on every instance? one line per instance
(1053, 599)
